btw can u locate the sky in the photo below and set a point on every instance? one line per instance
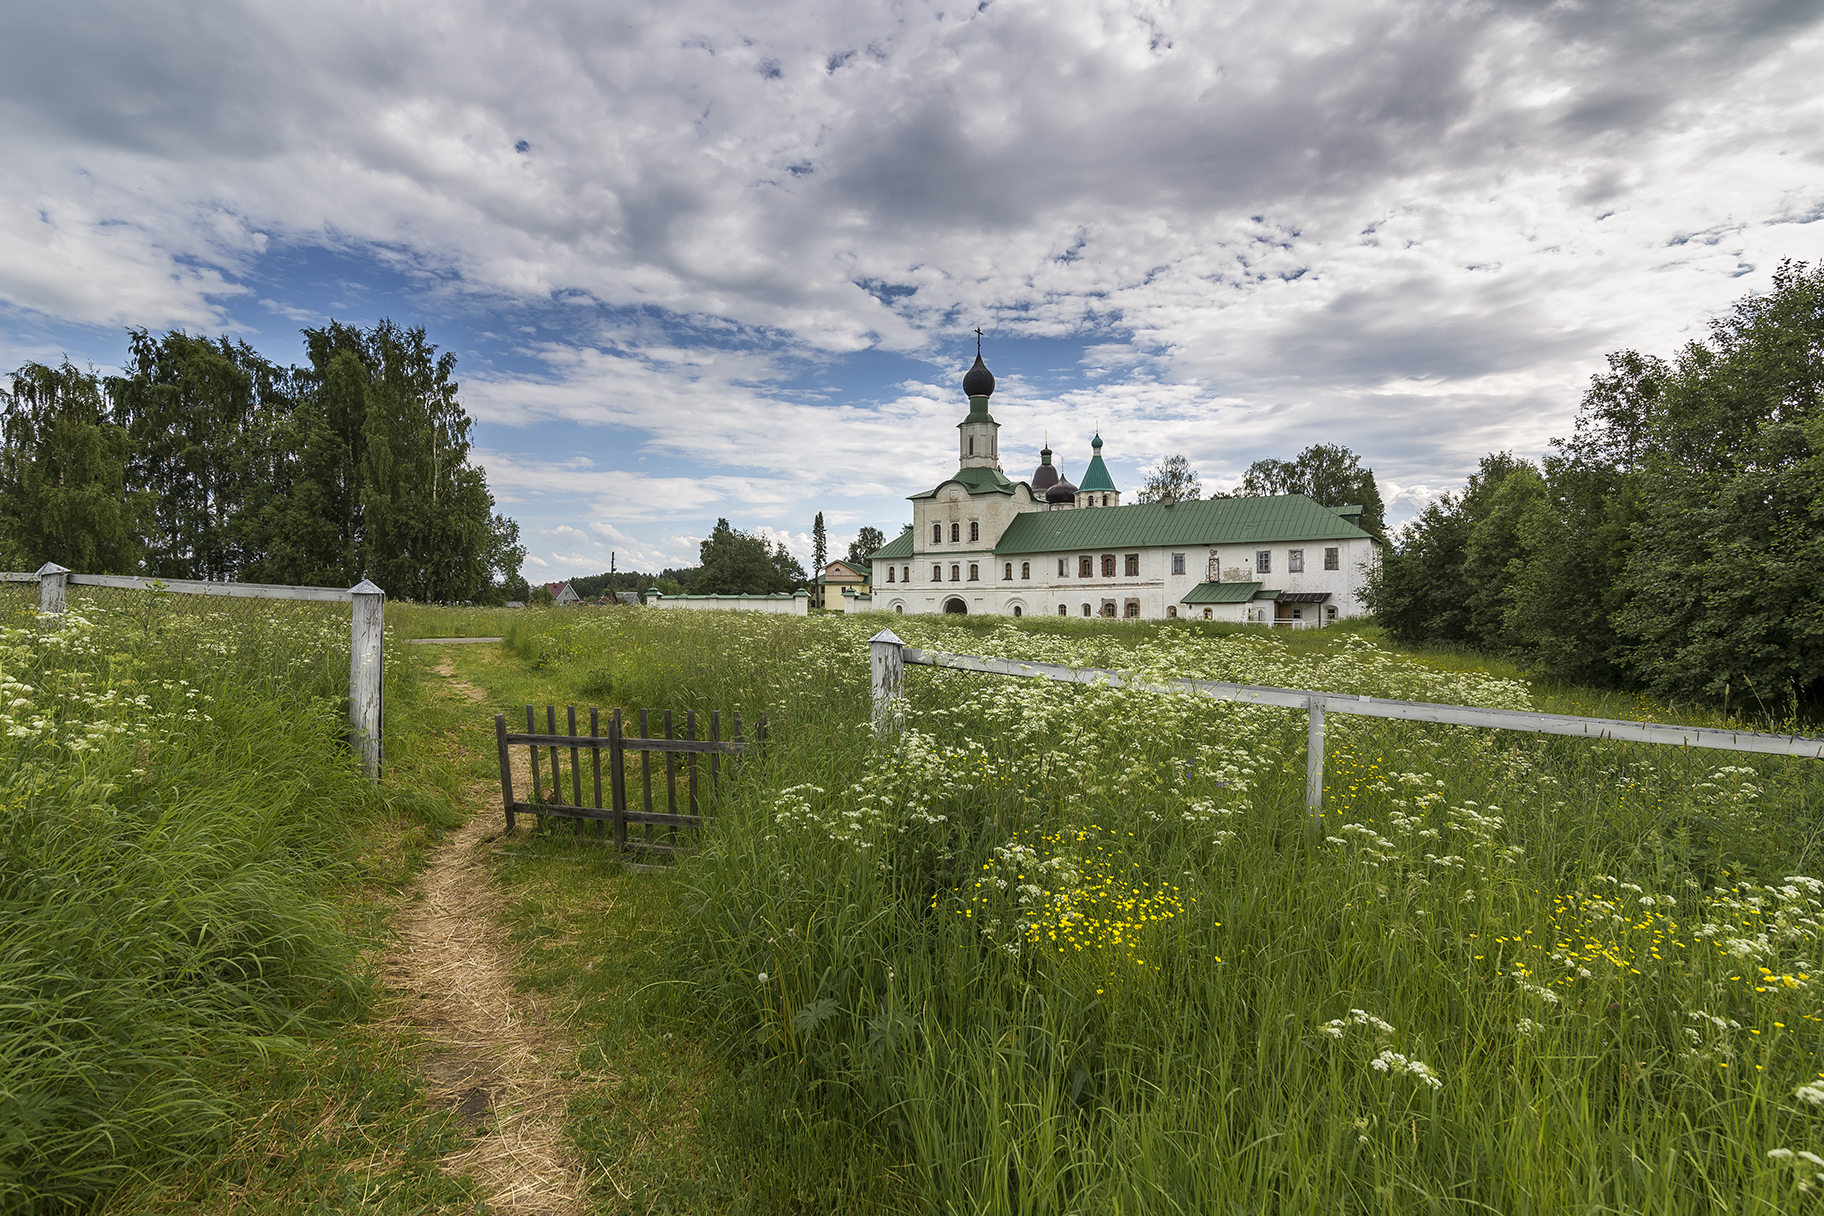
(705, 260)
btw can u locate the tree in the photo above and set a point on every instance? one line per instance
(1724, 585)
(864, 544)
(820, 543)
(735, 563)
(1174, 478)
(1421, 591)
(1326, 473)
(63, 495)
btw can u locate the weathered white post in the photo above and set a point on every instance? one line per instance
(1314, 760)
(886, 655)
(53, 588)
(366, 675)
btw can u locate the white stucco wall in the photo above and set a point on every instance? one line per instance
(797, 604)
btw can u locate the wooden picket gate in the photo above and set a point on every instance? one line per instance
(616, 743)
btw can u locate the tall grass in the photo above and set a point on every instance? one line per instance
(177, 804)
(1071, 949)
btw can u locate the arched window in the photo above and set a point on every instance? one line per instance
(1009, 573)
(937, 534)
(956, 574)
(1209, 614)
(1133, 608)
(1063, 568)
(975, 529)
(900, 608)
(1108, 609)
(1108, 565)
(905, 574)
(975, 573)
(1025, 569)
(937, 574)
(1016, 610)
(1171, 612)
(1086, 567)
(1105, 500)
(972, 445)
(956, 533)
(1063, 611)
(1086, 611)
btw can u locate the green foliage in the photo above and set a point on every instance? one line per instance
(63, 495)
(1726, 579)
(820, 543)
(1326, 473)
(1173, 477)
(208, 462)
(735, 562)
(866, 541)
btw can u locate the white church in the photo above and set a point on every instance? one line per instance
(980, 543)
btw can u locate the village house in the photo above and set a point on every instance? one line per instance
(980, 543)
(835, 578)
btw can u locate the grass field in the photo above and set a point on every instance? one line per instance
(1063, 949)
(1051, 949)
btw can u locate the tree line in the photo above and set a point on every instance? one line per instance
(205, 460)
(1673, 543)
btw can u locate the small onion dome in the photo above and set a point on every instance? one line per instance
(1095, 443)
(978, 381)
(1062, 492)
(1046, 475)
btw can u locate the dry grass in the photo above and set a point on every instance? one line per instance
(494, 1054)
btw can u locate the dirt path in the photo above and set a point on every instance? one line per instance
(496, 1052)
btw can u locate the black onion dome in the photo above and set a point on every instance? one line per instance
(1046, 475)
(1062, 492)
(978, 381)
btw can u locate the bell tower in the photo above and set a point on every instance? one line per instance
(978, 436)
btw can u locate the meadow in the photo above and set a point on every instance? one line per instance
(1048, 949)
(1065, 949)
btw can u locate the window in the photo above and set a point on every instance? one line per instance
(900, 608)
(1009, 573)
(905, 574)
(1063, 567)
(1086, 611)
(956, 574)
(975, 529)
(1177, 568)
(937, 574)
(1171, 612)
(1263, 562)
(1108, 565)
(1133, 608)
(1330, 611)
(1016, 610)
(1108, 608)
(1063, 611)
(1133, 565)
(1086, 566)
(937, 534)
(972, 445)
(1295, 561)
(1331, 561)
(1025, 569)
(1209, 614)
(975, 573)
(956, 533)
(1105, 500)
(890, 573)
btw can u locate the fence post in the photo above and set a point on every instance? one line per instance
(1314, 760)
(886, 654)
(366, 676)
(53, 583)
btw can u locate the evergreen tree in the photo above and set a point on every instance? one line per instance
(820, 544)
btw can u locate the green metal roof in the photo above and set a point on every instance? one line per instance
(976, 481)
(1096, 477)
(1220, 593)
(1216, 521)
(900, 546)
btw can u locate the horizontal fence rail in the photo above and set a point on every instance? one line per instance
(889, 655)
(684, 753)
(366, 633)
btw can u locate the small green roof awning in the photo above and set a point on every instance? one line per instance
(1220, 593)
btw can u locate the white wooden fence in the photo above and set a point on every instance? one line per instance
(367, 634)
(889, 656)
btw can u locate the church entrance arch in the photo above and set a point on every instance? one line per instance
(956, 605)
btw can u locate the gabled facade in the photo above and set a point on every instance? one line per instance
(981, 543)
(835, 579)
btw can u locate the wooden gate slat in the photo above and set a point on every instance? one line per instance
(595, 759)
(538, 794)
(506, 769)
